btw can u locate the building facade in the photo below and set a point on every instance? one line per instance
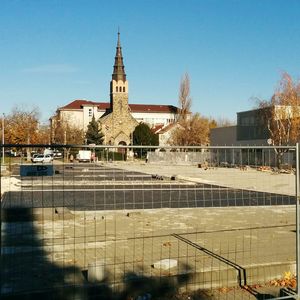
(117, 118)
(252, 130)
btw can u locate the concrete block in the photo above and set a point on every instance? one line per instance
(96, 272)
(165, 264)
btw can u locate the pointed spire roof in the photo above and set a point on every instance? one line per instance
(119, 69)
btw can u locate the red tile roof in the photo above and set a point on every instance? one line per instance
(168, 127)
(157, 128)
(152, 108)
(78, 104)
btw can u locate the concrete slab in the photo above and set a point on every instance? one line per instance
(231, 177)
(56, 248)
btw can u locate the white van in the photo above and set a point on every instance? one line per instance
(84, 155)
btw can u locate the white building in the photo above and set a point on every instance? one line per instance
(79, 113)
(165, 133)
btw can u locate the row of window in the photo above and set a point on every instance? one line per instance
(251, 133)
(148, 120)
(153, 121)
(119, 89)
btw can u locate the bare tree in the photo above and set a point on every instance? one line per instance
(224, 122)
(281, 114)
(66, 133)
(192, 129)
(184, 99)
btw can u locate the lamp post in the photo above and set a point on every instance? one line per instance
(3, 140)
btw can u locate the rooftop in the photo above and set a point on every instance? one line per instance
(79, 103)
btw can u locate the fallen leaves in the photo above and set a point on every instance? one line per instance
(167, 244)
(288, 280)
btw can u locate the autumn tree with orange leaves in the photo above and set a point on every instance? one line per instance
(21, 126)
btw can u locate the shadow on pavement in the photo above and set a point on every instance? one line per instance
(30, 272)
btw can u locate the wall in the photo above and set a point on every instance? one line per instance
(178, 158)
(222, 136)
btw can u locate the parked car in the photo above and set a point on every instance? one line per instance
(53, 152)
(10, 153)
(42, 158)
(57, 154)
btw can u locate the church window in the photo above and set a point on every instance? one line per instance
(116, 89)
(123, 89)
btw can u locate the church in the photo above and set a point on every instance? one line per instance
(117, 118)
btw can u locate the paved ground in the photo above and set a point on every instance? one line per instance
(249, 178)
(52, 247)
(93, 187)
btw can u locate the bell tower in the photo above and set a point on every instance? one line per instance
(119, 84)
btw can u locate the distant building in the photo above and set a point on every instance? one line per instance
(223, 136)
(80, 112)
(249, 131)
(117, 118)
(165, 133)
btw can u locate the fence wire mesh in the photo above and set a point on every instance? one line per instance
(148, 222)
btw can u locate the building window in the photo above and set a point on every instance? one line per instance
(116, 89)
(123, 89)
(90, 112)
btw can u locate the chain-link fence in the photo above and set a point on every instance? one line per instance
(104, 222)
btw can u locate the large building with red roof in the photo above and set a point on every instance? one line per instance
(117, 118)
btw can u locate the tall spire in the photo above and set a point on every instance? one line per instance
(119, 69)
(119, 43)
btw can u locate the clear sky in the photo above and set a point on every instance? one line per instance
(56, 51)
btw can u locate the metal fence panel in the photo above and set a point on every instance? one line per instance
(149, 223)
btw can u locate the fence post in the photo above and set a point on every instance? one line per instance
(297, 219)
(1, 174)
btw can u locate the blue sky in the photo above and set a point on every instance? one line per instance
(52, 52)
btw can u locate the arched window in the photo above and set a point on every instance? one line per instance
(123, 89)
(116, 89)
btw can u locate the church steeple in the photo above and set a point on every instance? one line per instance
(118, 124)
(119, 84)
(119, 69)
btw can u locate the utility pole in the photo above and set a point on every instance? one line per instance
(3, 140)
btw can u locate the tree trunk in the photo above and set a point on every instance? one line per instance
(28, 152)
(279, 157)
